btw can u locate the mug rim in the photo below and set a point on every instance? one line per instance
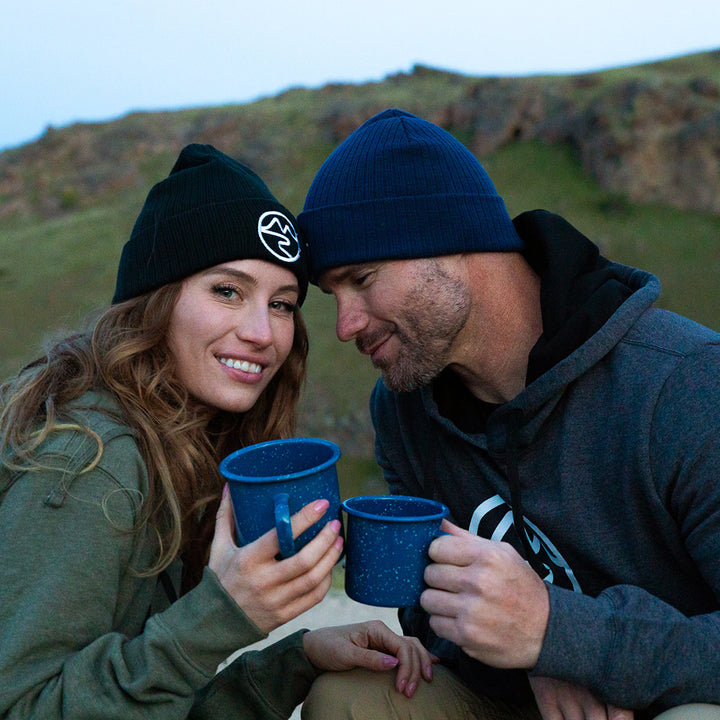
(442, 509)
(230, 475)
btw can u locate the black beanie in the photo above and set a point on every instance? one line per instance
(401, 187)
(210, 209)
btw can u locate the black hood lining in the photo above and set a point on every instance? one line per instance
(579, 290)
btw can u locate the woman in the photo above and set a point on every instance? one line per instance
(122, 589)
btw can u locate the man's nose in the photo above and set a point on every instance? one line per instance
(351, 319)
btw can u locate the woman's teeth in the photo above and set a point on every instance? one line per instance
(243, 365)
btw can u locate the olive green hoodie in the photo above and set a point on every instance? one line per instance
(83, 636)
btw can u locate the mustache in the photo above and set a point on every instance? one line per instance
(368, 340)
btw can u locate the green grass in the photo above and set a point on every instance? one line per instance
(54, 273)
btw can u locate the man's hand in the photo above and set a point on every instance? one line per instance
(560, 700)
(486, 599)
(372, 645)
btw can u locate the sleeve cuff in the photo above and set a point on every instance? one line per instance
(206, 626)
(575, 643)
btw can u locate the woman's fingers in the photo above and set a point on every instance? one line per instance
(308, 516)
(414, 661)
(307, 574)
(316, 551)
(302, 580)
(271, 592)
(223, 542)
(294, 603)
(372, 645)
(268, 546)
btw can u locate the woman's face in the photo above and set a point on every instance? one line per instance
(231, 330)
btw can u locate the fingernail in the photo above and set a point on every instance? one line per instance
(335, 525)
(339, 542)
(389, 661)
(411, 689)
(226, 490)
(428, 672)
(401, 685)
(321, 506)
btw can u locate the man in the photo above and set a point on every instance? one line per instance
(571, 428)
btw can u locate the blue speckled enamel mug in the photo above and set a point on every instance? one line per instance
(386, 547)
(272, 480)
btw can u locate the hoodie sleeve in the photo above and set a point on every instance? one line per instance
(74, 641)
(259, 685)
(627, 645)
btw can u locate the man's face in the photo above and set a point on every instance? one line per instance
(404, 314)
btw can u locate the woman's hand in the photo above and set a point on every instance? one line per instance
(372, 645)
(271, 591)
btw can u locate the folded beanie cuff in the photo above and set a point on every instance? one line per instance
(179, 245)
(395, 228)
(211, 209)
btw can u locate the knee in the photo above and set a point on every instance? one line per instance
(694, 711)
(352, 695)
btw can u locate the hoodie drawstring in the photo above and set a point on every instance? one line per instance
(513, 431)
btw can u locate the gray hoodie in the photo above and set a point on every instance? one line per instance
(605, 473)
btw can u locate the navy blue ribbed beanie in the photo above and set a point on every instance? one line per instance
(400, 187)
(211, 209)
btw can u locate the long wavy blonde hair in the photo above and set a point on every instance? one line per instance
(181, 441)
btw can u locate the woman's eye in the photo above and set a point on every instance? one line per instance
(284, 306)
(227, 292)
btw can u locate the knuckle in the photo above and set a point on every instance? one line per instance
(303, 563)
(308, 584)
(473, 580)
(312, 580)
(315, 593)
(243, 564)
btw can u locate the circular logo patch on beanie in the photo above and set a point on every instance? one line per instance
(278, 236)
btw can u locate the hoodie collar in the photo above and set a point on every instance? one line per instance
(579, 289)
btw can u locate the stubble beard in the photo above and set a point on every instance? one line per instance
(425, 336)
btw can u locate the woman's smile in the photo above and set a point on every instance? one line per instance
(231, 330)
(244, 365)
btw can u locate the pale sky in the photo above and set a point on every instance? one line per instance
(67, 60)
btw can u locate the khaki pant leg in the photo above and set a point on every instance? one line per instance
(365, 695)
(693, 711)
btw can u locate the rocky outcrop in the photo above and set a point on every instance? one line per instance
(649, 133)
(656, 140)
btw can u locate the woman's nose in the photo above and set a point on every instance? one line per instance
(255, 327)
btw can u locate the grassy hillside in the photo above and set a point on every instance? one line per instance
(60, 243)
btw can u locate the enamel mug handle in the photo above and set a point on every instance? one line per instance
(283, 526)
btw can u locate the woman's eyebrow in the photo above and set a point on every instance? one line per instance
(238, 274)
(246, 277)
